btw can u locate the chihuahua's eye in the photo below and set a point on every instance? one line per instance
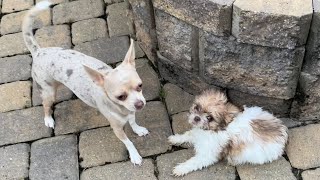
(209, 118)
(122, 97)
(139, 88)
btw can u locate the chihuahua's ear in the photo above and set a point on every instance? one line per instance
(95, 75)
(130, 56)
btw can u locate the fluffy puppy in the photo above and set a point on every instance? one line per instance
(223, 131)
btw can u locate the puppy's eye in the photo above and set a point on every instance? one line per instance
(139, 88)
(122, 97)
(197, 108)
(209, 118)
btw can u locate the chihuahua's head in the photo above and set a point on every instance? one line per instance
(122, 85)
(211, 111)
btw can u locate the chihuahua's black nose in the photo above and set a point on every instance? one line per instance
(197, 119)
(139, 105)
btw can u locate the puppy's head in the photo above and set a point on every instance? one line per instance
(122, 84)
(211, 111)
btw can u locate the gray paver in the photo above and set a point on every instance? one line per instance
(15, 68)
(54, 36)
(54, 1)
(12, 44)
(9, 6)
(88, 30)
(311, 174)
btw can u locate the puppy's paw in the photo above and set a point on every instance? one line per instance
(180, 170)
(49, 122)
(174, 140)
(141, 131)
(136, 159)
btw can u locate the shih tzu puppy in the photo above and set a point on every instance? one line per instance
(223, 131)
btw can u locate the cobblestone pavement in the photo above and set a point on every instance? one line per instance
(83, 146)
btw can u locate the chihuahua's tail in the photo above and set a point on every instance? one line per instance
(27, 23)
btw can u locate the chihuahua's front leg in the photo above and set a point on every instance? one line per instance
(141, 131)
(179, 139)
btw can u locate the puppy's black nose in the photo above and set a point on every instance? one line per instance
(197, 119)
(139, 105)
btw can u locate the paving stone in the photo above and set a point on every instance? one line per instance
(290, 122)
(22, 126)
(303, 150)
(213, 15)
(9, 6)
(15, 95)
(55, 1)
(283, 24)
(119, 20)
(55, 158)
(11, 23)
(54, 36)
(257, 70)
(88, 30)
(108, 50)
(75, 116)
(138, 51)
(15, 68)
(12, 44)
(155, 118)
(150, 79)
(174, 39)
(77, 10)
(98, 146)
(311, 174)
(279, 169)
(176, 99)
(180, 123)
(279, 107)
(14, 161)
(63, 93)
(121, 171)
(112, 1)
(167, 162)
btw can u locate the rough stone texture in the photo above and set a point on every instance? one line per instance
(177, 100)
(191, 83)
(55, 1)
(155, 118)
(311, 174)
(150, 79)
(9, 6)
(138, 51)
(55, 158)
(167, 162)
(14, 161)
(54, 36)
(256, 70)
(145, 26)
(283, 24)
(88, 30)
(98, 146)
(121, 171)
(303, 150)
(15, 95)
(22, 125)
(174, 39)
(307, 105)
(279, 169)
(213, 15)
(119, 20)
(290, 122)
(180, 123)
(15, 68)
(12, 44)
(63, 93)
(75, 116)
(108, 50)
(77, 10)
(11, 23)
(112, 1)
(278, 107)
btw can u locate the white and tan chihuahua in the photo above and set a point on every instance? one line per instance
(116, 93)
(222, 131)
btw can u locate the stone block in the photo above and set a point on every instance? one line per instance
(257, 70)
(303, 150)
(15, 68)
(213, 16)
(119, 19)
(9, 6)
(180, 123)
(54, 36)
(75, 116)
(112, 1)
(311, 174)
(54, 1)
(138, 51)
(16, 95)
(14, 161)
(88, 30)
(54, 158)
(108, 50)
(77, 10)
(290, 122)
(12, 44)
(22, 126)
(282, 24)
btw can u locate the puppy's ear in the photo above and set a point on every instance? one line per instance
(231, 113)
(96, 76)
(130, 56)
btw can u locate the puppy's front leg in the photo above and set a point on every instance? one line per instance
(179, 139)
(141, 131)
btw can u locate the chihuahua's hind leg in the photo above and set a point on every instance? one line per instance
(141, 131)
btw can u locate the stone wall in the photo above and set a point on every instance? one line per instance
(262, 52)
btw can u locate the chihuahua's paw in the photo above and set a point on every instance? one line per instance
(49, 122)
(141, 131)
(174, 140)
(180, 170)
(136, 159)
